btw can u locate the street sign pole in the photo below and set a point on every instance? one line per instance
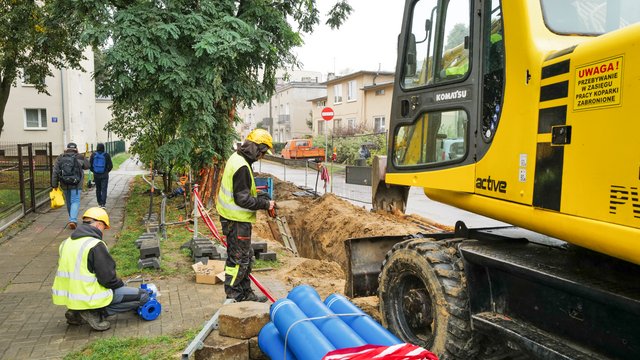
(327, 115)
(326, 145)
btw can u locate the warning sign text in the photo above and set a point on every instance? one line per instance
(598, 84)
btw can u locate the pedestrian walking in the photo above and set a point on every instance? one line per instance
(237, 204)
(86, 281)
(68, 173)
(101, 165)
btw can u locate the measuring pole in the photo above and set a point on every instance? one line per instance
(195, 212)
(151, 192)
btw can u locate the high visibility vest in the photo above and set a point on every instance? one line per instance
(74, 286)
(226, 206)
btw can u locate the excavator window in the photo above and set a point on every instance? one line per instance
(493, 71)
(589, 17)
(437, 48)
(436, 137)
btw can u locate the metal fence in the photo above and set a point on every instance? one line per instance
(348, 182)
(112, 147)
(25, 179)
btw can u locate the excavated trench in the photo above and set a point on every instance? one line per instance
(319, 226)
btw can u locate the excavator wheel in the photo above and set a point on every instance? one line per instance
(423, 298)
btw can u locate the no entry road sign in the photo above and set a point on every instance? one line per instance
(327, 113)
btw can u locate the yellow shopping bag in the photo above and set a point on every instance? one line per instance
(57, 198)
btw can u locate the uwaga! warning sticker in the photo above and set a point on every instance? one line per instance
(598, 84)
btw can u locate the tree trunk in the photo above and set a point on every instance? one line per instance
(5, 90)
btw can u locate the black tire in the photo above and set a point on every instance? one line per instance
(423, 298)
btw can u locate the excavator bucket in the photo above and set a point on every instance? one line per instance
(385, 196)
(364, 261)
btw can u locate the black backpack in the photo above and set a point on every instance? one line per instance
(69, 170)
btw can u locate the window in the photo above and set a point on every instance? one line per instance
(432, 55)
(436, 137)
(379, 124)
(492, 72)
(337, 123)
(26, 80)
(337, 94)
(351, 123)
(321, 103)
(352, 88)
(590, 17)
(35, 119)
(379, 92)
(321, 126)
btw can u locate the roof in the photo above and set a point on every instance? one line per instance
(356, 74)
(377, 86)
(318, 98)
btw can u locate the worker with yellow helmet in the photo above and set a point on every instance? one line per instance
(238, 201)
(86, 281)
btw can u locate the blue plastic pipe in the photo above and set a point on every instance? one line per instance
(272, 344)
(337, 331)
(304, 339)
(368, 329)
(301, 292)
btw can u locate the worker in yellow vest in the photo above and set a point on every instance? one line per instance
(237, 203)
(86, 281)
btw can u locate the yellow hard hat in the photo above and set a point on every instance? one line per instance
(98, 214)
(261, 136)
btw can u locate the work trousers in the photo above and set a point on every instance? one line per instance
(237, 284)
(125, 299)
(102, 182)
(72, 199)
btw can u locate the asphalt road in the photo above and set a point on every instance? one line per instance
(360, 195)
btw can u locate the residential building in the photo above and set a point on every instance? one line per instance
(287, 114)
(67, 114)
(361, 102)
(103, 116)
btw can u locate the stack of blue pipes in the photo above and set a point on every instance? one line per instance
(304, 327)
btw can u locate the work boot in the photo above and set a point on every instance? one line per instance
(251, 296)
(94, 320)
(74, 318)
(104, 315)
(71, 225)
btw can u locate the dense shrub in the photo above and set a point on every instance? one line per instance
(348, 147)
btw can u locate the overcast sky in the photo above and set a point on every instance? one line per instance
(366, 41)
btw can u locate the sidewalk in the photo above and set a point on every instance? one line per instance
(31, 327)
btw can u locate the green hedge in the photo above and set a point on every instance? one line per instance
(348, 148)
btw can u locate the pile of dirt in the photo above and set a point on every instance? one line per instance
(319, 227)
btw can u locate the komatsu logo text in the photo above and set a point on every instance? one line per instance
(491, 185)
(452, 95)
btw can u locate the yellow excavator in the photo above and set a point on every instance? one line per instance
(527, 112)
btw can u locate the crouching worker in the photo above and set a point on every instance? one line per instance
(86, 281)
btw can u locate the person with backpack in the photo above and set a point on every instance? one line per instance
(101, 165)
(68, 172)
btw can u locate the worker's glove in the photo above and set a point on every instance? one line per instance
(272, 212)
(264, 195)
